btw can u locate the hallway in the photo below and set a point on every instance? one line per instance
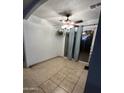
(84, 56)
(57, 75)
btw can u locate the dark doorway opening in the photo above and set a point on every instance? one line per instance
(85, 45)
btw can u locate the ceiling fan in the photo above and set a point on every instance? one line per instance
(69, 22)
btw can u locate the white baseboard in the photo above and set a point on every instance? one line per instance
(86, 63)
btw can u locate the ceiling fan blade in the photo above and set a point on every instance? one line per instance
(79, 21)
(76, 25)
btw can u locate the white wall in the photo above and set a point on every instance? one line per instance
(93, 21)
(40, 40)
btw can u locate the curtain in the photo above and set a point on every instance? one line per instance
(77, 43)
(70, 43)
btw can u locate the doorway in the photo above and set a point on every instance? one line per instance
(84, 40)
(85, 45)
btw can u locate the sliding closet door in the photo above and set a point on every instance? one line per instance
(77, 43)
(71, 43)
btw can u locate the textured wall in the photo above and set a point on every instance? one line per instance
(40, 41)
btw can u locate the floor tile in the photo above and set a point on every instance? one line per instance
(67, 85)
(72, 78)
(29, 83)
(59, 90)
(48, 75)
(33, 90)
(58, 78)
(78, 89)
(48, 86)
(80, 86)
(76, 72)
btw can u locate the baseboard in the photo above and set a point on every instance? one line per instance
(86, 63)
(42, 62)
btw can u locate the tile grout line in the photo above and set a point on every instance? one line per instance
(76, 83)
(42, 89)
(63, 80)
(51, 80)
(64, 89)
(60, 82)
(64, 65)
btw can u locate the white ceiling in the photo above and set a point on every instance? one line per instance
(80, 10)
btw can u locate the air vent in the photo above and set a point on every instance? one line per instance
(95, 5)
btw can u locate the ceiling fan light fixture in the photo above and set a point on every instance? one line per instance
(66, 26)
(72, 23)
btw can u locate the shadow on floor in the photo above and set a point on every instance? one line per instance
(84, 56)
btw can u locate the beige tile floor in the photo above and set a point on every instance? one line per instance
(58, 75)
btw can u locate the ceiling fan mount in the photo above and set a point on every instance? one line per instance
(67, 14)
